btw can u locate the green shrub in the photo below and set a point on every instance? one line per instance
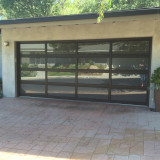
(81, 66)
(100, 66)
(156, 78)
(71, 66)
(1, 94)
(24, 65)
(28, 73)
(91, 62)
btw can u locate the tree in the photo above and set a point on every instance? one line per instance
(28, 8)
(100, 6)
(40, 8)
(67, 7)
(89, 6)
(133, 4)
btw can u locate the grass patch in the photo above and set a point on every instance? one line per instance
(61, 74)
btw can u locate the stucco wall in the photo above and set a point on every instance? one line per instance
(111, 29)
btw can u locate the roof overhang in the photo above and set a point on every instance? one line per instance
(113, 16)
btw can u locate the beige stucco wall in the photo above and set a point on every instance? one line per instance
(119, 28)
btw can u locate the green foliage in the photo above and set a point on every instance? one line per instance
(89, 6)
(28, 8)
(64, 66)
(28, 73)
(88, 66)
(11, 9)
(26, 65)
(91, 62)
(67, 7)
(1, 94)
(156, 78)
(102, 7)
(99, 66)
(84, 66)
(61, 74)
(133, 4)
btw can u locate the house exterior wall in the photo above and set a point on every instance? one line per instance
(108, 30)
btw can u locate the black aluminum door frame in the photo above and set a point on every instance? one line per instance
(110, 71)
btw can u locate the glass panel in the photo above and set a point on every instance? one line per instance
(130, 79)
(93, 93)
(32, 62)
(32, 49)
(128, 95)
(62, 77)
(130, 63)
(131, 47)
(61, 91)
(61, 48)
(93, 47)
(93, 63)
(32, 89)
(33, 75)
(93, 78)
(61, 63)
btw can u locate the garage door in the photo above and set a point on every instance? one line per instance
(99, 70)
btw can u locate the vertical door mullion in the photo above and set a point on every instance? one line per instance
(76, 73)
(46, 72)
(110, 73)
(18, 56)
(149, 71)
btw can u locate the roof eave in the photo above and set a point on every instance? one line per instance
(83, 16)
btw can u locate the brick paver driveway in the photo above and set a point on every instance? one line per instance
(61, 130)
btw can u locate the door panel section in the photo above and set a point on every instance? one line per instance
(115, 70)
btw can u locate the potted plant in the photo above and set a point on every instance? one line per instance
(0, 88)
(155, 79)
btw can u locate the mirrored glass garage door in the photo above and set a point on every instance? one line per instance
(98, 70)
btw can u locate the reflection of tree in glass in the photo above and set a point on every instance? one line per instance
(131, 47)
(60, 48)
(93, 47)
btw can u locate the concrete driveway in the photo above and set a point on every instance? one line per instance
(32, 129)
